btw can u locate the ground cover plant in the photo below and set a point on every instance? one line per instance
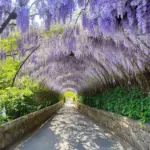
(129, 102)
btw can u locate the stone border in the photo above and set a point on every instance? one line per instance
(133, 132)
(13, 130)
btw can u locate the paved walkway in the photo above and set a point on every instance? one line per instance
(70, 130)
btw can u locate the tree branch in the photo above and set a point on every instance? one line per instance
(12, 15)
(14, 78)
(33, 4)
(18, 53)
(143, 43)
(79, 16)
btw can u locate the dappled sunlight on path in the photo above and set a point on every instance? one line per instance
(70, 130)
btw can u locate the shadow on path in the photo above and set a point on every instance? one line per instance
(70, 130)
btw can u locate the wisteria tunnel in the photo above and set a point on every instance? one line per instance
(90, 58)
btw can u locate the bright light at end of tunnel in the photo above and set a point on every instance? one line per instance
(70, 96)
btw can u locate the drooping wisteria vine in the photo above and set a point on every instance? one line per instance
(104, 42)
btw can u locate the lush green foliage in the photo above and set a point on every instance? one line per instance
(27, 96)
(56, 29)
(19, 102)
(9, 44)
(129, 102)
(7, 71)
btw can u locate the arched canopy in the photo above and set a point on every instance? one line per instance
(103, 45)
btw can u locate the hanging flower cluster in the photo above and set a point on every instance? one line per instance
(95, 61)
(111, 43)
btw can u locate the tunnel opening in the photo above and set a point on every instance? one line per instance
(70, 96)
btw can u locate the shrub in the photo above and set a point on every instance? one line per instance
(127, 102)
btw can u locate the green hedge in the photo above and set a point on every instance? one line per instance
(129, 102)
(19, 102)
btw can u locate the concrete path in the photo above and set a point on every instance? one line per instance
(70, 130)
